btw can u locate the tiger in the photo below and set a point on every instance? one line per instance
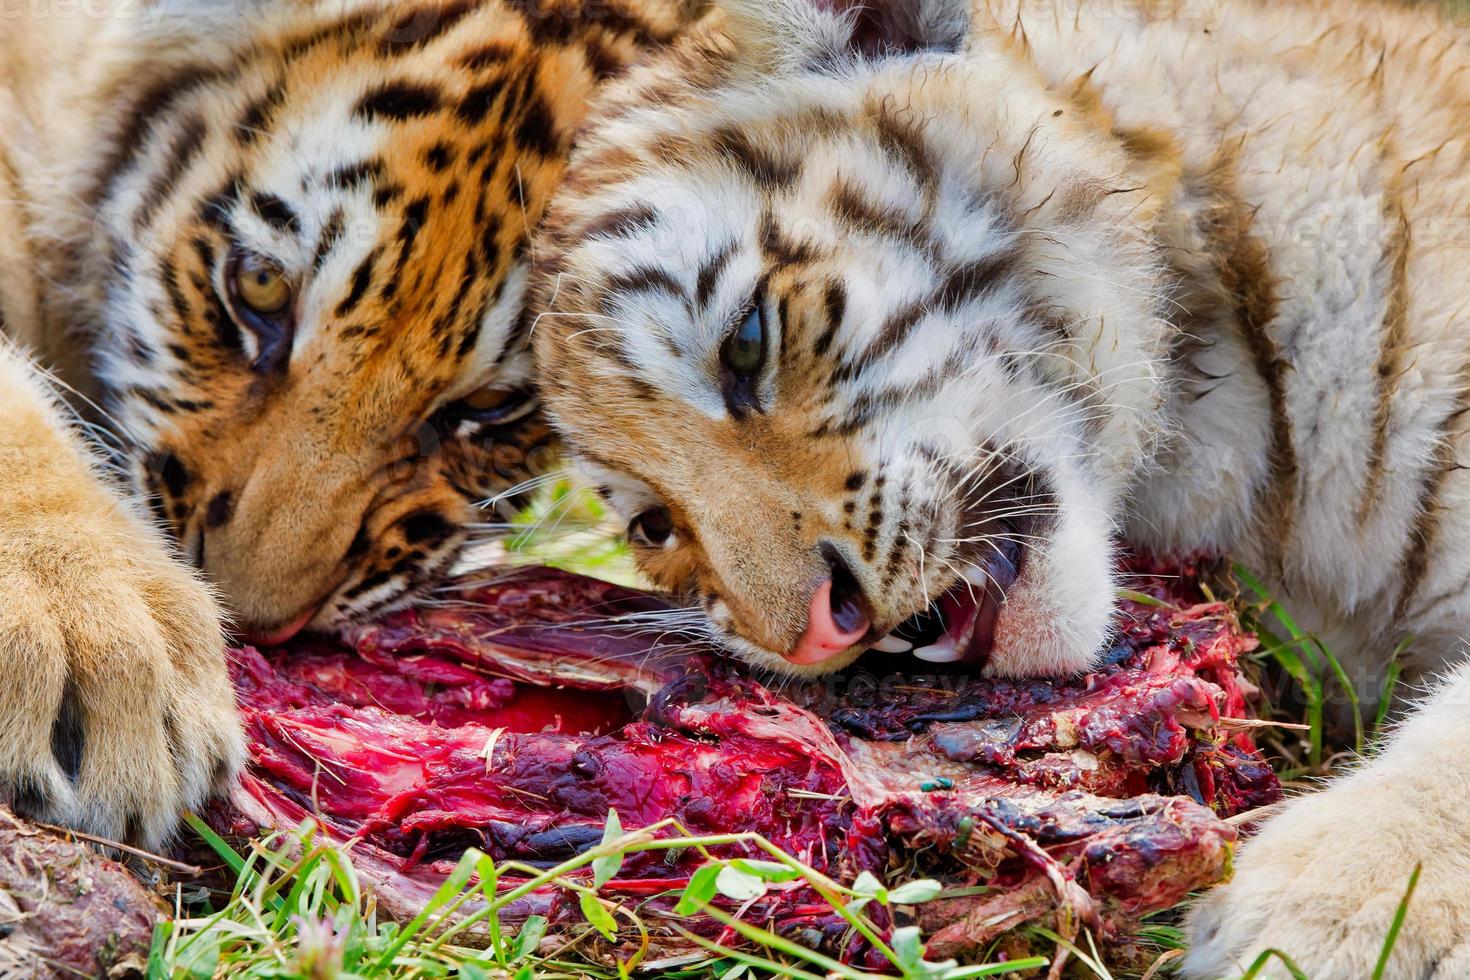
(264, 284)
(888, 326)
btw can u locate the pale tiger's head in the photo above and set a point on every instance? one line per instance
(316, 220)
(856, 323)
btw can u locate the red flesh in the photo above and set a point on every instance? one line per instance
(1074, 792)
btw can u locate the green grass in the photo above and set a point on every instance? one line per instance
(297, 910)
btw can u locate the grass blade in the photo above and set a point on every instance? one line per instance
(1398, 923)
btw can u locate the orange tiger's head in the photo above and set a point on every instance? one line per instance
(316, 220)
(848, 321)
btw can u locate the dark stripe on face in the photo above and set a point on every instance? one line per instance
(976, 280)
(155, 104)
(644, 279)
(347, 32)
(894, 331)
(516, 342)
(170, 276)
(487, 56)
(331, 232)
(439, 157)
(362, 279)
(414, 215)
(182, 151)
(537, 129)
(353, 174)
(763, 166)
(709, 274)
(621, 223)
(850, 207)
(257, 114)
(904, 144)
(215, 209)
(478, 101)
(398, 101)
(834, 301)
(275, 212)
(780, 249)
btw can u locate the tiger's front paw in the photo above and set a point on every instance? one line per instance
(116, 709)
(1324, 879)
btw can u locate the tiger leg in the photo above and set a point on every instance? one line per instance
(1323, 879)
(116, 710)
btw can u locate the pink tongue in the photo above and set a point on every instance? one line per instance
(958, 607)
(276, 637)
(824, 638)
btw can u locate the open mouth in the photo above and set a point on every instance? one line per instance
(959, 625)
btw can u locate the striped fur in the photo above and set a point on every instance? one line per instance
(391, 160)
(1187, 275)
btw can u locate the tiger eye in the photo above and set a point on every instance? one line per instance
(745, 351)
(489, 399)
(261, 286)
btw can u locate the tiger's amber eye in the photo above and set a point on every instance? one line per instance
(262, 286)
(489, 399)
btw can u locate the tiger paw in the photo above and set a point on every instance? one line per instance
(1323, 881)
(116, 709)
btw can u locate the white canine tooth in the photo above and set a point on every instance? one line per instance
(977, 577)
(939, 653)
(892, 644)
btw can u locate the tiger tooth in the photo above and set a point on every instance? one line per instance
(892, 644)
(939, 653)
(977, 576)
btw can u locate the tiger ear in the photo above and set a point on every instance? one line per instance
(793, 35)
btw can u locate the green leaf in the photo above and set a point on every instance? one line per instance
(216, 843)
(161, 933)
(1143, 599)
(525, 973)
(605, 868)
(200, 958)
(1266, 956)
(598, 916)
(768, 871)
(699, 891)
(470, 970)
(738, 885)
(915, 892)
(908, 950)
(867, 885)
(526, 941)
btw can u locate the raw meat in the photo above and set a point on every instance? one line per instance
(513, 717)
(67, 911)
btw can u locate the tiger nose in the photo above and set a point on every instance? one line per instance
(835, 619)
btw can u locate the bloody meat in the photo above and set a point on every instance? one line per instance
(513, 717)
(67, 911)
